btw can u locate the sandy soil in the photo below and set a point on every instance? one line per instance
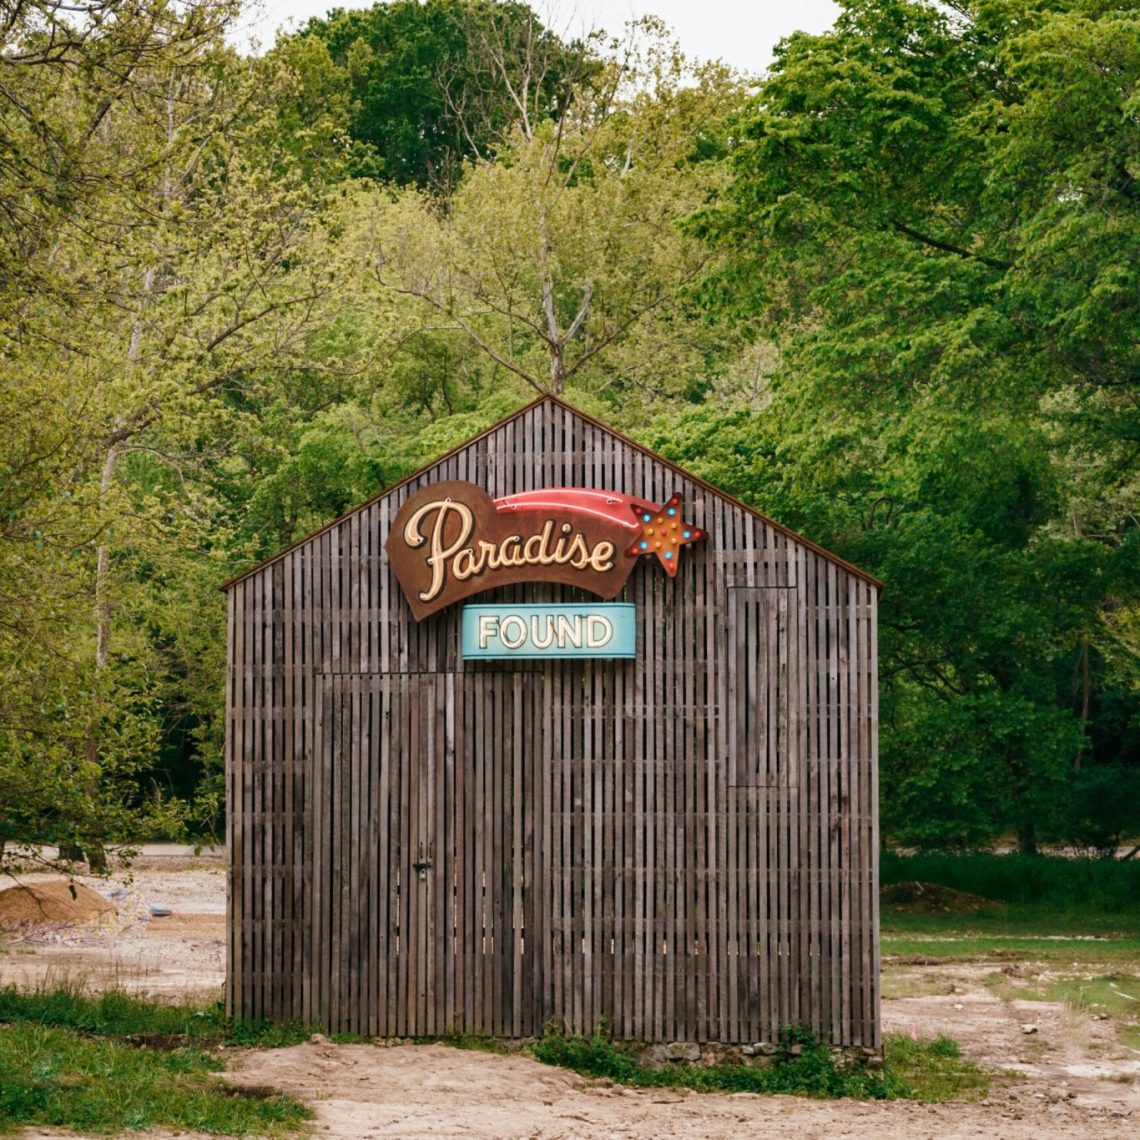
(1077, 1079)
(182, 954)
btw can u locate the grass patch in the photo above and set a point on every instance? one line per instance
(112, 1062)
(1086, 960)
(61, 1078)
(935, 1070)
(113, 1013)
(934, 945)
(1068, 890)
(477, 1042)
(929, 1071)
(116, 1013)
(1114, 996)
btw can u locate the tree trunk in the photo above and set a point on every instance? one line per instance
(1027, 839)
(1086, 696)
(102, 567)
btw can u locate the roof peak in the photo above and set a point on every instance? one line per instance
(561, 402)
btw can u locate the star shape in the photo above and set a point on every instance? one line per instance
(663, 532)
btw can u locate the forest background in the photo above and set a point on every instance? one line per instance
(888, 293)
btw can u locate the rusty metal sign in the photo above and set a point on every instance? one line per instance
(451, 540)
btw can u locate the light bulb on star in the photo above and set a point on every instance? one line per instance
(664, 533)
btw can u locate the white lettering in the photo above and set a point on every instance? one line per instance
(488, 627)
(546, 639)
(599, 631)
(437, 560)
(512, 640)
(569, 631)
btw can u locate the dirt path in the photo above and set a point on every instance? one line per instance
(1077, 1079)
(432, 1091)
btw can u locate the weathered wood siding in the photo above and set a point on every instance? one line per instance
(683, 846)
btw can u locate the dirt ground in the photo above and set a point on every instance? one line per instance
(1076, 1078)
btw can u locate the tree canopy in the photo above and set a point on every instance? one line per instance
(933, 213)
(887, 292)
(438, 83)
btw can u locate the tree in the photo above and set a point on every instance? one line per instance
(184, 266)
(561, 260)
(941, 238)
(425, 96)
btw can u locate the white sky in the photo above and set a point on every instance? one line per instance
(741, 32)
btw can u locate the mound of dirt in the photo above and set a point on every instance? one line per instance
(40, 903)
(930, 898)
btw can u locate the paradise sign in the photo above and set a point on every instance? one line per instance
(451, 540)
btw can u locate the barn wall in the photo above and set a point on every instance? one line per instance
(683, 846)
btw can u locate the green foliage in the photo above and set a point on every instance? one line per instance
(167, 265)
(594, 1056)
(804, 1067)
(1057, 885)
(59, 1078)
(239, 296)
(560, 262)
(935, 1071)
(943, 249)
(434, 85)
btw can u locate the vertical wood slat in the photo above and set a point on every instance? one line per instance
(602, 846)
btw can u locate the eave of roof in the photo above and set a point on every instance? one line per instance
(680, 471)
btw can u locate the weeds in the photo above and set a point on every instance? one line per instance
(61, 1078)
(112, 1062)
(477, 1042)
(935, 1070)
(932, 1070)
(116, 1013)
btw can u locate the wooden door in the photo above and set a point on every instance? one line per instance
(424, 860)
(765, 935)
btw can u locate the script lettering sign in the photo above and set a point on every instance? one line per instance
(451, 540)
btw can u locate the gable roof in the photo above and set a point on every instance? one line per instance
(559, 402)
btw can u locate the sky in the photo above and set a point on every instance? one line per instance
(741, 32)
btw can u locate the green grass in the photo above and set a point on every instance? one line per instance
(1075, 911)
(62, 1078)
(475, 1042)
(1101, 891)
(935, 1070)
(971, 945)
(922, 1070)
(1113, 996)
(108, 1063)
(116, 1013)
(1072, 927)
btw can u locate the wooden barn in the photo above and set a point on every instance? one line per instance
(656, 812)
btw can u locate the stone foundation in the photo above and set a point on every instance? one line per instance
(759, 1055)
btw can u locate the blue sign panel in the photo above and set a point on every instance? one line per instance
(597, 630)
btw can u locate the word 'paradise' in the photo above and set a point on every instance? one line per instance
(465, 561)
(451, 540)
